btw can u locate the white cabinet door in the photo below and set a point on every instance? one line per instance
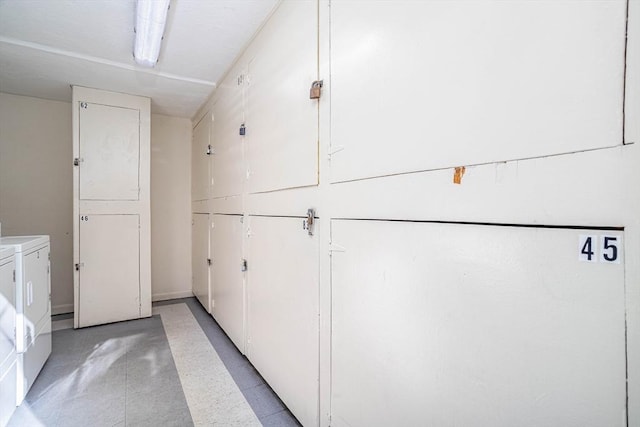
(440, 324)
(281, 120)
(109, 152)
(228, 295)
(228, 165)
(36, 292)
(421, 85)
(283, 329)
(200, 160)
(201, 286)
(109, 269)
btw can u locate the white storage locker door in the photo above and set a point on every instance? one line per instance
(228, 167)
(469, 325)
(109, 269)
(228, 275)
(420, 85)
(35, 298)
(283, 328)
(282, 122)
(200, 260)
(200, 160)
(109, 152)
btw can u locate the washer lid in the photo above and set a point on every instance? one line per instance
(24, 243)
(6, 252)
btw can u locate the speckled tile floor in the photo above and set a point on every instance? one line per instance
(177, 368)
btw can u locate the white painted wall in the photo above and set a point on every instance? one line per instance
(170, 207)
(36, 133)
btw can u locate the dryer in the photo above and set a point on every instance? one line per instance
(33, 307)
(8, 357)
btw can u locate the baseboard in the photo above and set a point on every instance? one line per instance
(61, 309)
(68, 308)
(171, 295)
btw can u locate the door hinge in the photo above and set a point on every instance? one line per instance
(210, 150)
(245, 265)
(243, 130)
(208, 261)
(83, 105)
(307, 224)
(14, 276)
(77, 161)
(78, 265)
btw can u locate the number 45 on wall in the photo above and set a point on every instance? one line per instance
(603, 248)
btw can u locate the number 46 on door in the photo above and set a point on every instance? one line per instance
(602, 248)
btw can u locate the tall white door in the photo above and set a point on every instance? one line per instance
(109, 269)
(282, 137)
(201, 259)
(283, 307)
(228, 276)
(112, 244)
(200, 159)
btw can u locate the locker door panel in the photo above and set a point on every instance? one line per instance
(425, 85)
(36, 293)
(109, 289)
(228, 169)
(7, 310)
(282, 122)
(228, 294)
(200, 161)
(200, 259)
(283, 311)
(436, 324)
(109, 153)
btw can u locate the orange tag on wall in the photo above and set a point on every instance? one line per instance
(458, 174)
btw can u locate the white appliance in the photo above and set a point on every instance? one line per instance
(33, 308)
(8, 356)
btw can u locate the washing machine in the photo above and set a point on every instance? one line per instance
(33, 307)
(8, 357)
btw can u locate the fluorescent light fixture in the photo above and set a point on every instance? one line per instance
(151, 17)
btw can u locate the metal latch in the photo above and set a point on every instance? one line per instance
(243, 130)
(78, 265)
(210, 150)
(208, 261)
(308, 223)
(316, 90)
(244, 266)
(77, 161)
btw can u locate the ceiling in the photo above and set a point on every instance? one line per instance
(48, 45)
